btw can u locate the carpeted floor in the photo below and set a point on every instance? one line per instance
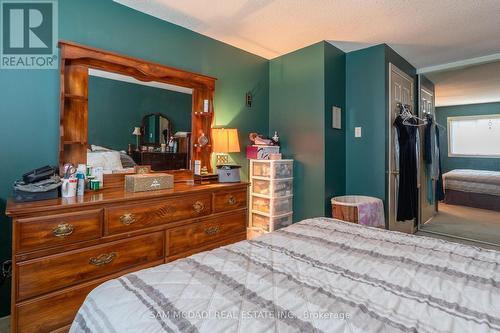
(467, 222)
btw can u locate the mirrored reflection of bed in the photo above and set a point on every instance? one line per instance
(137, 123)
(473, 188)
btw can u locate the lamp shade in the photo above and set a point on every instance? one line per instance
(137, 131)
(225, 140)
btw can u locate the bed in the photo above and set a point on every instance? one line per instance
(319, 275)
(473, 188)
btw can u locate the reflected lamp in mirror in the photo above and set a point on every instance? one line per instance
(225, 140)
(137, 133)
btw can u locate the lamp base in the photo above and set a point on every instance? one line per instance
(222, 159)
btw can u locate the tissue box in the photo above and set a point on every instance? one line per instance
(148, 182)
(261, 152)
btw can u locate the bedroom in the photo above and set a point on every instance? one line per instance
(262, 66)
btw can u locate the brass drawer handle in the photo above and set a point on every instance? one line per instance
(63, 229)
(212, 230)
(198, 206)
(103, 259)
(231, 200)
(127, 219)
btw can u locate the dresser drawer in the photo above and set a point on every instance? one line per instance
(40, 276)
(57, 310)
(132, 217)
(52, 312)
(187, 238)
(49, 231)
(225, 201)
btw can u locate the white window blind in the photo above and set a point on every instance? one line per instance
(475, 136)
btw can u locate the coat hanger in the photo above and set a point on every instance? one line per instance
(406, 114)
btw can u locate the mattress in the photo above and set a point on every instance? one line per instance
(473, 181)
(319, 275)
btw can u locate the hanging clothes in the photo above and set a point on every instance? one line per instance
(407, 196)
(430, 157)
(439, 183)
(428, 140)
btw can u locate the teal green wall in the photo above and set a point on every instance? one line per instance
(366, 108)
(116, 107)
(303, 86)
(29, 98)
(450, 163)
(367, 79)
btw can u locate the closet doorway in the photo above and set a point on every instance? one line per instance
(401, 92)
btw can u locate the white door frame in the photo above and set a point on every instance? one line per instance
(420, 114)
(407, 227)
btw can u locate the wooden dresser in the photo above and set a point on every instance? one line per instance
(64, 248)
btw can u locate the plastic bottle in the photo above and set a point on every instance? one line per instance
(80, 187)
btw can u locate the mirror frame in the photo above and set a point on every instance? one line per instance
(76, 59)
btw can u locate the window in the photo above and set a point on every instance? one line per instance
(474, 136)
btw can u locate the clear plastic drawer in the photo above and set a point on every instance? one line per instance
(271, 223)
(272, 207)
(273, 188)
(272, 168)
(254, 233)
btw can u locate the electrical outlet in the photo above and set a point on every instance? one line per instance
(357, 132)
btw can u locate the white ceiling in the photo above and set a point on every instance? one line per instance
(425, 32)
(469, 85)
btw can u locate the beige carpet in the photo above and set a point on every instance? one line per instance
(467, 222)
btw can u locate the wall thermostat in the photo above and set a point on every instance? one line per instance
(336, 117)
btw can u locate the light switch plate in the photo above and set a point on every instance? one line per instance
(357, 132)
(336, 117)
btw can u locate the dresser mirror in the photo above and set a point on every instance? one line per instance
(125, 127)
(118, 111)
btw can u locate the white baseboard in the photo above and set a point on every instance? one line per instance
(5, 324)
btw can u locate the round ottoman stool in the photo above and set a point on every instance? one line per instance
(359, 209)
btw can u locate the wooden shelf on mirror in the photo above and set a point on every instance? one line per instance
(74, 142)
(203, 114)
(77, 97)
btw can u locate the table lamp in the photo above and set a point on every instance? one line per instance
(225, 140)
(137, 133)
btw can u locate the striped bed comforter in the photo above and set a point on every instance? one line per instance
(473, 181)
(319, 275)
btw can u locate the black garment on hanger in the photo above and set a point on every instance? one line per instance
(439, 183)
(428, 140)
(408, 193)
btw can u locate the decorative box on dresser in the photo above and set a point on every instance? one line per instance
(63, 248)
